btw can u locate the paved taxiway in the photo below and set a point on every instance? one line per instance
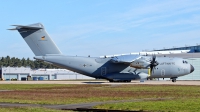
(103, 82)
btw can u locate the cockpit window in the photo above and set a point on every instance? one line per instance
(185, 61)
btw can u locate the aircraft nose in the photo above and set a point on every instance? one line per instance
(191, 68)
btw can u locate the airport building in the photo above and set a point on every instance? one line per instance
(21, 73)
(192, 49)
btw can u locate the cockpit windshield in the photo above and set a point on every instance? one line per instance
(185, 62)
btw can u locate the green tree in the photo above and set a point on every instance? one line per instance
(1, 64)
(3, 60)
(16, 62)
(12, 62)
(32, 65)
(24, 62)
(19, 64)
(37, 64)
(28, 61)
(8, 61)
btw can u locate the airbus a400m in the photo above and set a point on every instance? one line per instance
(116, 68)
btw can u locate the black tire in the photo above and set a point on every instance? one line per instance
(111, 81)
(173, 80)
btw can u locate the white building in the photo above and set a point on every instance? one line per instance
(8, 73)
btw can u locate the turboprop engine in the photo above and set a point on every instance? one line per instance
(143, 63)
(142, 76)
(137, 61)
(140, 63)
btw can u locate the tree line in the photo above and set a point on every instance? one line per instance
(16, 62)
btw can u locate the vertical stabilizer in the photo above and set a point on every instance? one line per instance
(37, 38)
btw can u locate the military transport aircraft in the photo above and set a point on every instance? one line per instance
(122, 68)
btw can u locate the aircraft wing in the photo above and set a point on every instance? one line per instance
(125, 58)
(135, 61)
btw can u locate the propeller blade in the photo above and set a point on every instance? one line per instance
(153, 64)
(151, 69)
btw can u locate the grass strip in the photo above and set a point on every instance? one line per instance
(29, 109)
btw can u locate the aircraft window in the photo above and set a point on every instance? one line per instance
(185, 61)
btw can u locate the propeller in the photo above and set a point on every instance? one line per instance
(153, 63)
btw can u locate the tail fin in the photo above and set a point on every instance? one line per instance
(37, 39)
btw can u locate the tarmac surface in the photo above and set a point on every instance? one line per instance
(161, 82)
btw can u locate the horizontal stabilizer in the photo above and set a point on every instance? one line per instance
(25, 27)
(12, 29)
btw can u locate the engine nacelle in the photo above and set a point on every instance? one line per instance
(140, 64)
(143, 76)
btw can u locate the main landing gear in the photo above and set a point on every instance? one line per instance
(173, 79)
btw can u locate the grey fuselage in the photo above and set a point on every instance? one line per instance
(104, 68)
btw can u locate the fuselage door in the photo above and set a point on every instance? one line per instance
(163, 72)
(103, 71)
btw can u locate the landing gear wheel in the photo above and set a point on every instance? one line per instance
(111, 81)
(173, 80)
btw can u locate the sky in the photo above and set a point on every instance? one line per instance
(102, 27)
